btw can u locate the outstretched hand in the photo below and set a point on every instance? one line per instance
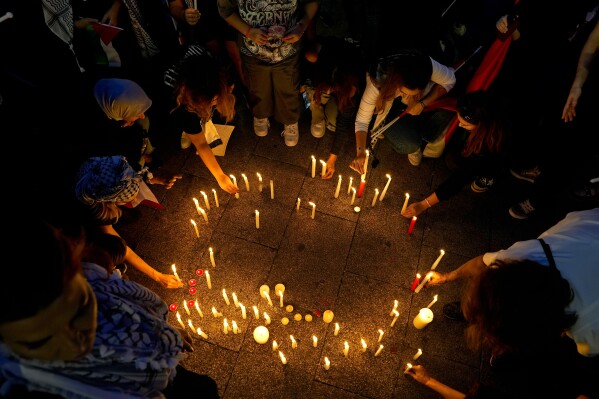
(419, 373)
(330, 167)
(414, 209)
(169, 281)
(166, 181)
(436, 279)
(358, 163)
(226, 184)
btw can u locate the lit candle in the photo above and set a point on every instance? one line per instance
(433, 301)
(204, 215)
(225, 326)
(275, 346)
(396, 313)
(423, 317)
(336, 332)
(272, 190)
(280, 297)
(299, 201)
(361, 187)
(215, 197)
(197, 306)
(175, 272)
(266, 318)
(353, 196)
(351, 179)
(247, 183)
(378, 351)
(212, 257)
(206, 202)
(208, 281)
(283, 358)
(235, 300)
(267, 296)
(376, 195)
(256, 313)
(412, 224)
(202, 333)
(385, 188)
(261, 334)
(313, 166)
(179, 320)
(314, 341)
(417, 355)
(236, 329)
(366, 164)
(381, 332)
(259, 181)
(195, 227)
(423, 282)
(408, 367)
(226, 297)
(395, 305)
(338, 187)
(257, 219)
(415, 282)
(405, 203)
(186, 307)
(190, 324)
(197, 204)
(235, 184)
(327, 363)
(215, 312)
(293, 342)
(313, 209)
(345, 348)
(324, 168)
(243, 312)
(434, 266)
(364, 346)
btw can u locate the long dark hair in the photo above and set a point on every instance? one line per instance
(482, 109)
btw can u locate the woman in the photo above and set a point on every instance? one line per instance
(485, 130)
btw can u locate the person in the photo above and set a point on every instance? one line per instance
(106, 250)
(201, 87)
(77, 333)
(335, 81)
(270, 49)
(417, 80)
(479, 159)
(102, 185)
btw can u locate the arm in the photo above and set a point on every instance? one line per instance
(417, 208)
(363, 117)
(111, 16)
(471, 268)
(207, 156)
(420, 374)
(342, 132)
(296, 32)
(229, 12)
(179, 11)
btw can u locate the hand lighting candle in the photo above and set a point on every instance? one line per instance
(423, 282)
(376, 195)
(195, 227)
(234, 179)
(338, 187)
(408, 367)
(215, 197)
(385, 188)
(175, 272)
(206, 202)
(366, 164)
(434, 266)
(405, 203)
(247, 183)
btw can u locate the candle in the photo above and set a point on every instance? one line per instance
(280, 297)
(385, 188)
(324, 168)
(353, 196)
(208, 281)
(197, 306)
(195, 227)
(280, 287)
(395, 305)
(285, 321)
(186, 307)
(423, 282)
(202, 333)
(215, 312)
(417, 355)
(212, 257)
(190, 324)
(313, 166)
(267, 296)
(236, 329)
(272, 190)
(405, 203)
(293, 342)
(366, 164)
(314, 341)
(327, 363)
(283, 358)
(175, 272)
(338, 187)
(298, 204)
(434, 266)
(381, 332)
(247, 183)
(235, 184)
(361, 187)
(313, 209)
(408, 367)
(351, 179)
(345, 348)
(328, 316)
(275, 346)
(256, 313)
(195, 201)
(206, 202)
(267, 318)
(179, 320)
(336, 329)
(415, 282)
(396, 313)
(243, 312)
(261, 334)
(257, 219)
(259, 181)
(226, 297)
(378, 351)
(264, 289)
(204, 215)
(364, 346)
(215, 197)
(412, 224)
(235, 300)
(433, 301)
(423, 317)
(376, 195)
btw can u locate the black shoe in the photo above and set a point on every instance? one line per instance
(453, 311)
(522, 210)
(529, 175)
(482, 184)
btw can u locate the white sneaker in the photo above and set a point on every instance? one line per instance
(185, 141)
(261, 126)
(318, 129)
(291, 134)
(415, 158)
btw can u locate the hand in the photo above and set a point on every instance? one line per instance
(436, 279)
(111, 16)
(358, 163)
(330, 167)
(569, 111)
(258, 36)
(187, 340)
(294, 34)
(415, 109)
(84, 22)
(226, 184)
(169, 281)
(168, 181)
(502, 24)
(420, 374)
(415, 209)
(192, 16)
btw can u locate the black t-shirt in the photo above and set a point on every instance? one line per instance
(183, 120)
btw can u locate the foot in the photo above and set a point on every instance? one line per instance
(291, 134)
(415, 158)
(529, 175)
(185, 141)
(261, 126)
(523, 210)
(317, 129)
(453, 311)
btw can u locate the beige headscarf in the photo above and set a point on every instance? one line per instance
(121, 98)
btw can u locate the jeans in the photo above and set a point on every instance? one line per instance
(407, 134)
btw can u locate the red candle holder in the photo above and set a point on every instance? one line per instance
(412, 224)
(361, 188)
(192, 291)
(199, 272)
(192, 282)
(172, 307)
(190, 303)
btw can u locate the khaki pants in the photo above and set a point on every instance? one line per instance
(325, 111)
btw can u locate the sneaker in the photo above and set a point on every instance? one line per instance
(530, 175)
(434, 149)
(291, 134)
(317, 129)
(185, 141)
(453, 311)
(482, 184)
(415, 158)
(261, 126)
(522, 210)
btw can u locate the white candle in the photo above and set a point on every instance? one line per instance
(272, 190)
(208, 281)
(336, 332)
(283, 358)
(243, 311)
(215, 197)
(395, 305)
(259, 181)
(366, 164)
(275, 345)
(353, 196)
(225, 326)
(190, 324)
(226, 297)
(235, 184)
(376, 195)
(186, 308)
(324, 168)
(364, 346)
(313, 209)
(381, 332)
(212, 262)
(256, 313)
(434, 266)
(195, 227)
(202, 333)
(297, 205)
(266, 318)
(235, 300)
(424, 281)
(345, 348)
(338, 187)
(378, 351)
(293, 342)
(175, 272)
(257, 219)
(433, 301)
(267, 296)
(396, 313)
(197, 204)
(327, 363)
(386, 187)
(261, 334)
(247, 183)
(417, 355)
(197, 306)
(179, 320)
(215, 312)
(405, 203)
(280, 297)
(206, 202)
(314, 341)
(349, 186)
(423, 317)
(408, 367)
(204, 215)
(236, 329)
(313, 166)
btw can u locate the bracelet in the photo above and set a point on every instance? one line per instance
(248, 31)
(422, 103)
(429, 204)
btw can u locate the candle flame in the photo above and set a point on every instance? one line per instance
(259, 176)
(395, 312)
(407, 195)
(363, 343)
(193, 222)
(312, 203)
(283, 358)
(203, 194)
(174, 269)
(442, 252)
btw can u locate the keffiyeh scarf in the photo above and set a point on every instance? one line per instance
(107, 179)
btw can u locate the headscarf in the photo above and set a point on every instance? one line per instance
(107, 179)
(121, 98)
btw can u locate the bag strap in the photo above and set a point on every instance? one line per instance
(548, 253)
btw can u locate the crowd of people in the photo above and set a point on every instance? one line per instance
(84, 93)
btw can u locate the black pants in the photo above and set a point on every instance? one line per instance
(186, 382)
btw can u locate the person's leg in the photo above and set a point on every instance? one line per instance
(260, 85)
(433, 123)
(187, 382)
(403, 135)
(285, 86)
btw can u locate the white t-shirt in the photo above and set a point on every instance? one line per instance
(574, 243)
